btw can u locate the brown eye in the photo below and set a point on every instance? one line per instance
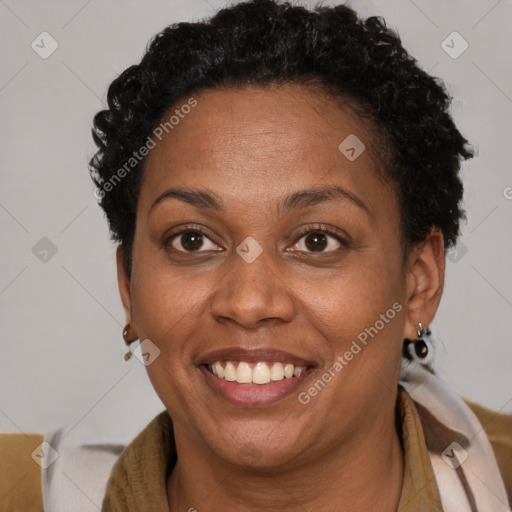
(316, 242)
(191, 241)
(319, 241)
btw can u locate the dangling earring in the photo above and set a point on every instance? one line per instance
(128, 340)
(421, 347)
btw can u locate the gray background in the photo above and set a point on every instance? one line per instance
(61, 355)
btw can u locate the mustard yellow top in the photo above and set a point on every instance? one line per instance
(138, 479)
(20, 476)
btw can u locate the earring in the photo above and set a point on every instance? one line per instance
(423, 331)
(420, 346)
(128, 340)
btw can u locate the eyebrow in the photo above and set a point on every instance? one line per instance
(311, 197)
(208, 200)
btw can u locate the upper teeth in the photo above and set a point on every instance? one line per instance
(261, 373)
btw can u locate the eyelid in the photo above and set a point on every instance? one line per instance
(170, 235)
(344, 238)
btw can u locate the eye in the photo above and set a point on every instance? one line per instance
(191, 241)
(319, 240)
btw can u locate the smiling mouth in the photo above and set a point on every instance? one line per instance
(262, 372)
(254, 377)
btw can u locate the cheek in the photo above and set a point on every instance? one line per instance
(167, 311)
(165, 301)
(357, 297)
(361, 315)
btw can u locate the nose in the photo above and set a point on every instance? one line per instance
(252, 293)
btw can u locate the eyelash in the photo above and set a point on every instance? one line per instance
(322, 229)
(306, 231)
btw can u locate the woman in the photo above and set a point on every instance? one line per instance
(283, 185)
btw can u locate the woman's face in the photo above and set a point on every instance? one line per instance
(255, 281)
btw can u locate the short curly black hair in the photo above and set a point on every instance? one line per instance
(266, 42)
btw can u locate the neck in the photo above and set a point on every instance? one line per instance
(362, 473)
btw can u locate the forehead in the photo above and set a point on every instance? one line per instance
(253, 144)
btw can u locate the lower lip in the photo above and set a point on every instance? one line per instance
(254, 394)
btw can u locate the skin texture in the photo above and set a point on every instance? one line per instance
(251, 147)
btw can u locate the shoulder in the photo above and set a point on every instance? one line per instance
(20, 472)
(498, 428)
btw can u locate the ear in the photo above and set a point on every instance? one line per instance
(123, 282)
(424, 281)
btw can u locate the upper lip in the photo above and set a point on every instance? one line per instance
(252, 356)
